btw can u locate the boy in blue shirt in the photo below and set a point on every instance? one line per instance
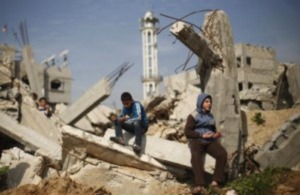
(132, 119)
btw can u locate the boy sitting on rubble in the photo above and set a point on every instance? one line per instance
(132, 119)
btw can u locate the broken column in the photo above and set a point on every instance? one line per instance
(90, 99)
(223, 85)
(31, 70)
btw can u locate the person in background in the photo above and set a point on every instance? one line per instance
(201, 131)
(132, 119)
(44, 107)
(35, 98)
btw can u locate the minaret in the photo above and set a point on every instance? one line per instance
(150, 78)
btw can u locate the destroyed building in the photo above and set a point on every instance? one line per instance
(70, 144)
(47, 79)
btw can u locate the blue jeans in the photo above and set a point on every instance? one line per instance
(134, 127)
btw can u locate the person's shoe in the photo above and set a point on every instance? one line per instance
(118, 140)
(136, 148)
(198, 190)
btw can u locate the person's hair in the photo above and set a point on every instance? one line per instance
(126, 96)
(34, 96)
(43, 98)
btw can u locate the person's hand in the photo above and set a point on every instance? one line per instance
(123, 119)
(48, 108)
(217, 135)
(208, 135)
(113, 117)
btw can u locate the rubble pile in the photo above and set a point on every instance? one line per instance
(72, 147)
(48, 147)
(282, 94)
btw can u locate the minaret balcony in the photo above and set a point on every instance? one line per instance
(156, 78)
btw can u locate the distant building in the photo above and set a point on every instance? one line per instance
(256, 66)
(150, 78)
(54, 81)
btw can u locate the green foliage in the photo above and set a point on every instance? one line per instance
(258, 119)
(258, 184)
(4, 170)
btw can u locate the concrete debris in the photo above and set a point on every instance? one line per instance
(42, 145)
(91, 98)
(102, 149)
(24, 168)
(75, 140)
(283, 148)
(163, 150)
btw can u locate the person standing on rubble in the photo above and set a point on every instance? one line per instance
(201, 131)
(132, 119)
(44, 107)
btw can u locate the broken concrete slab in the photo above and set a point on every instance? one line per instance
(283, 150)
(90, 99)
(23, 168)
(293, 78)
(41, 124)
(187, 103)
(169, 152)
(97, 147)
(30, 138)
(197, 43)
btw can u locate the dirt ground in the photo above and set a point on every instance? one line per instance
(289, 185)
(56, 186)
(258, 134)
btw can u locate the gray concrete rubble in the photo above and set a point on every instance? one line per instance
(90, 99)
(80, 143)
(197, 43)
(23, 168)
(31, 70)
(186, 104)
(293, 77)
(95, 122)
(169, 152)
(41, 124)
(258, 98)
(283, 148)
(114, 178)
(37, 142)
(75, 140)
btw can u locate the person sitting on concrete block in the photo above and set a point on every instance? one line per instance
(132, 119)
(201, 131)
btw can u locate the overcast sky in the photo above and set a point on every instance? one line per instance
(102, 34)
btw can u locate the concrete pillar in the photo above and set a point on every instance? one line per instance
(31, 70)
(223, 84)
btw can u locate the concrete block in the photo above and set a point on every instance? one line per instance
(30, 138)
(288, 155)
(87, 102)
(169, 152)
(102, 149)
(280, 140)
(295, 118)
